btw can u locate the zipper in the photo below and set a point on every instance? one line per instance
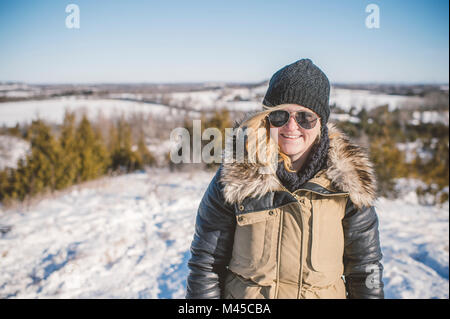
(297, 198)
(280, 230)
(322, 194)
(311, 191)
(301, 251)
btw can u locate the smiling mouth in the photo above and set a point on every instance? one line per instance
(291, 136)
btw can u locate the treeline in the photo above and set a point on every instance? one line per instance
(75, 152)
(78, 153)
(382, 130)
(220, 119)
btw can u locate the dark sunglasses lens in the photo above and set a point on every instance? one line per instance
(278, 118)
(307, 120)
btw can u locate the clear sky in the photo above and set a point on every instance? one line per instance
(242, 41)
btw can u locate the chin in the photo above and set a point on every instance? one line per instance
(291, 151)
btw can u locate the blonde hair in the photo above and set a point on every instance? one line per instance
(254, 149)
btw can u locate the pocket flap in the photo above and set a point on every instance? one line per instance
(327, 235)
(255, 217)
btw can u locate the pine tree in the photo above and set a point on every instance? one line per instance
(124, 156)
(221, 120)
(388, 160)
(41, 164)
(91, 151)
(22, 181)
(4, 185)
(147, 157)
(69, 161)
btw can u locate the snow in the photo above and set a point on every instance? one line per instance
(128, 237)
(415, 247)
(430, 117)
(346, 98)
(412, 149)
(234, 99)
(121, 237)
(344, 118)
(215, 99)
(53, 110)
(11, 150)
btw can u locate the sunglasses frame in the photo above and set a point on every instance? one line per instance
(295, 117)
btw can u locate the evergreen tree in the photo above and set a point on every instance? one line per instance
(124, 157)
(69, 160)
(146, 156)
(4, 185)
(221, 120)
(41, 164)
(389, 164)
(91, 151)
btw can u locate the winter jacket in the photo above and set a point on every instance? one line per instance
(255, 239)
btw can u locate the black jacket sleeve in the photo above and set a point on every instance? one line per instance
(212, 244)
(362, 253)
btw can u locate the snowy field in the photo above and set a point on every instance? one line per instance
(52, 110)
(129, 237)
(345, 99)
(11, 150)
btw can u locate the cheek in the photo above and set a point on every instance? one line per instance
(312, 136)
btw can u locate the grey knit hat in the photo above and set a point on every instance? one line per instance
(302, 83)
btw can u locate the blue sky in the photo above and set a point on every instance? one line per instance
(242, 41)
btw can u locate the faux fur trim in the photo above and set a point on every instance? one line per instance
(246, 179)
(349, 169)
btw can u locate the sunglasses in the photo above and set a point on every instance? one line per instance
(306, 120)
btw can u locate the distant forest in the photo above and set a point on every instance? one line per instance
(78, 151)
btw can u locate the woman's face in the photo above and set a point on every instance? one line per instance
(294, 140)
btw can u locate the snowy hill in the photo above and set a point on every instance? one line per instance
(129, 237)
(52, 110)
(233, 99)
(345, 99)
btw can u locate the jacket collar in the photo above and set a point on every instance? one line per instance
(348, 171)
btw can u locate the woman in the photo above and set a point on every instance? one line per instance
(305, 229)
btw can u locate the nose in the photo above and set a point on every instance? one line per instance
(291, 124)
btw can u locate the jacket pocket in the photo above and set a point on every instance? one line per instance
(253, 239)
(327, 247)
(237, 287)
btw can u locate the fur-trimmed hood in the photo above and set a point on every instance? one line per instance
(348, 170)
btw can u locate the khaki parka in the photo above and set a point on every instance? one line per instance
(256, 239)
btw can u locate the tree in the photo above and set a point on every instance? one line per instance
(92, 152)
(123, 155)
(69, 160)
(221, 120)
(146, 156)
(389, 164)
(41, 164)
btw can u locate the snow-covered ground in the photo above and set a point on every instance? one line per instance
(11, 150)
(121, 237)
(345, 99)
(52, 110)
(430, 117)
(235, 99)
(129, 237)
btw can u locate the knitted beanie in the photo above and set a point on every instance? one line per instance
(302, 83)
